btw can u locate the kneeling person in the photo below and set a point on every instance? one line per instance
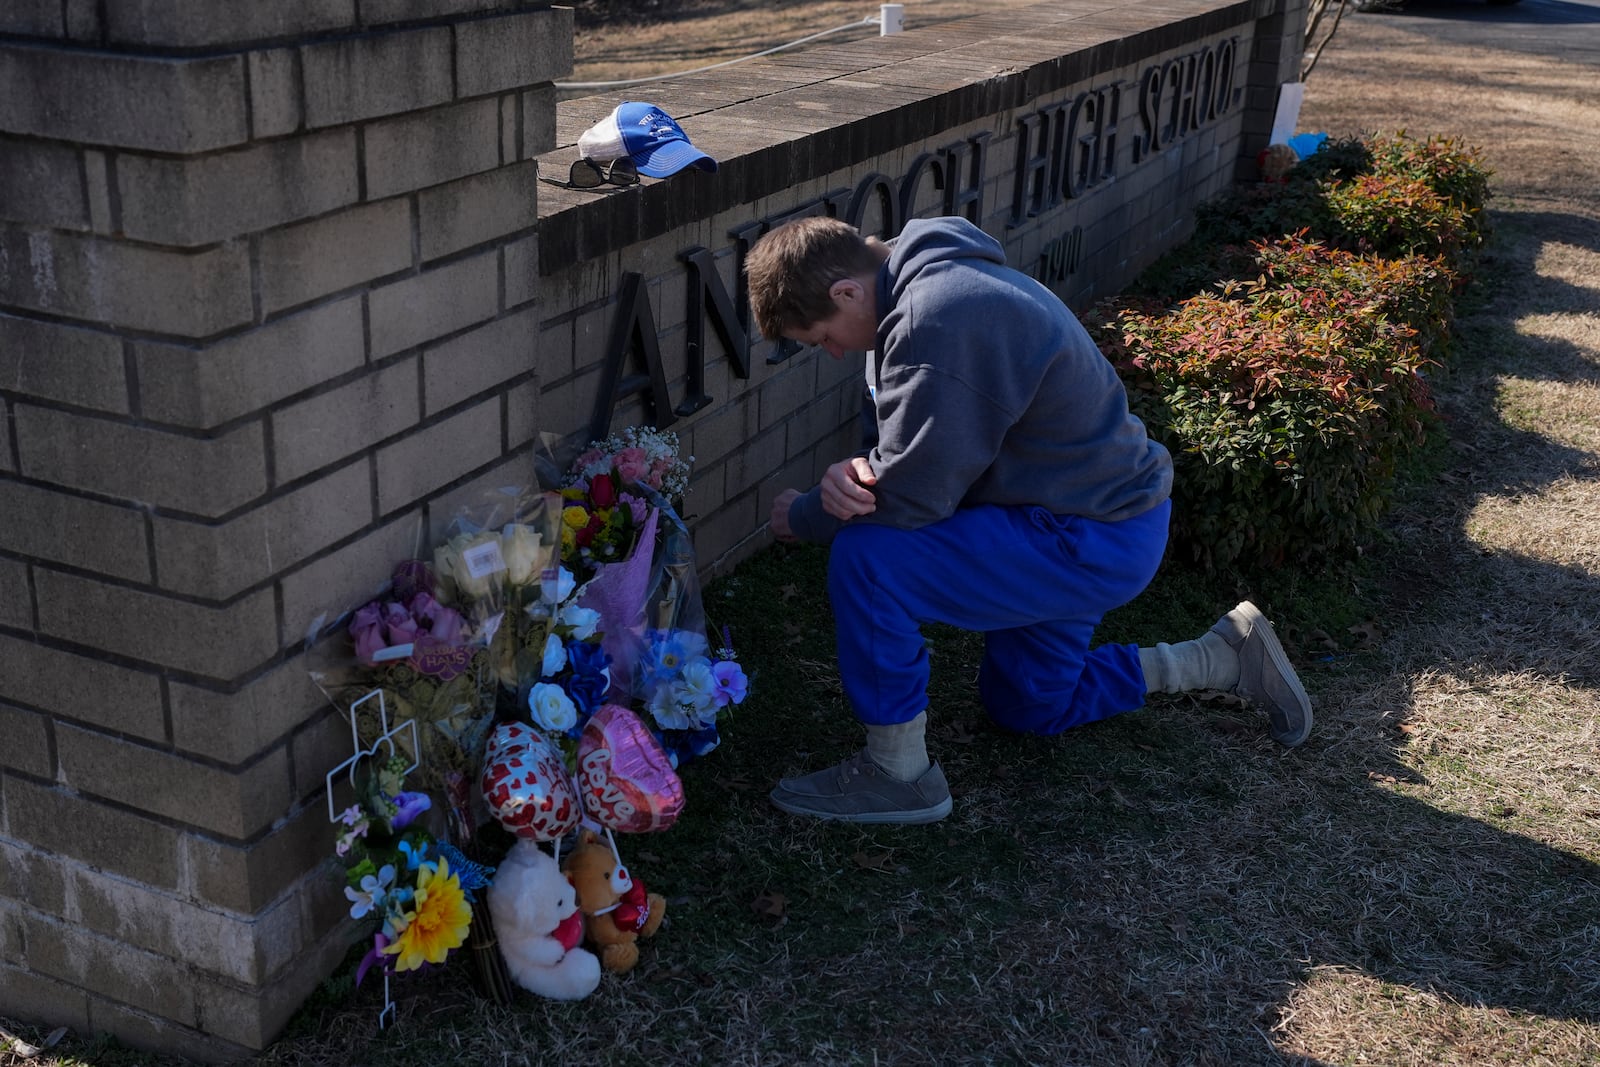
(1007, 490)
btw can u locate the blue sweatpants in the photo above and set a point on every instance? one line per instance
(1035, 584)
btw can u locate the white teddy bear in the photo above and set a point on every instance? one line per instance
(537, 922)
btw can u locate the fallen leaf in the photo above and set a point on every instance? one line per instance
(1231, 727)
(1410, 728)
(877, 861)
(1388, 779)
(769, 904)
(788, 592)
(738, 784)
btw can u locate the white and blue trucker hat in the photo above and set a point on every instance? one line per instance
(645, 134)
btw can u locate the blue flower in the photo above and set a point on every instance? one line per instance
(668, 652)
(416, 853)
(372, 892)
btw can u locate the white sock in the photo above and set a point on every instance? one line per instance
(900, 749)
(1208, 662)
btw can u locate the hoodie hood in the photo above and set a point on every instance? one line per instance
(928, 244)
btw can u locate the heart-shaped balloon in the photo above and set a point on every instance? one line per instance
(526, 784)
(624, 776)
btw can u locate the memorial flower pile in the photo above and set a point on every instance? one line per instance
(547, 669)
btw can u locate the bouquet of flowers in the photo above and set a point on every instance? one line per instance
(417, 891)
(638, 456)
(413, 892)
(649, 599)
(426, 657)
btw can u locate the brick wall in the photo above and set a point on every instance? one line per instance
(279, 291)
(253, 335)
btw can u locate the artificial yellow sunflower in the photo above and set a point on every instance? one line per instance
(437, 923)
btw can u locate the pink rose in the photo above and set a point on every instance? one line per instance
(632, 464)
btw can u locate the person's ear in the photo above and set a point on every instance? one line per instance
(845, 291)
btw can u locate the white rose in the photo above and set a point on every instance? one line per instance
(581, 623)
(555, 656)
(450, 561)
(552, 708)
(525, 556)
(554, 589)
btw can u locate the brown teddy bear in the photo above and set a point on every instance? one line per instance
(616, 909)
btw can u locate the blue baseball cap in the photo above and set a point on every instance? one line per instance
(645, 134)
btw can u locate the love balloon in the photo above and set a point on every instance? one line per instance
(624, 776)
(526, 784)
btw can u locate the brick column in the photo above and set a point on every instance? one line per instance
(267, 274)
(1274, 59)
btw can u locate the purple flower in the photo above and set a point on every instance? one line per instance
(398, 626)
(411, 577)
(411, 805)
(731, 684)
(445, 623)
(376, 956)
(639, 509)
(367, 631)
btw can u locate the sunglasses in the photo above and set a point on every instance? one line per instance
(587, 174)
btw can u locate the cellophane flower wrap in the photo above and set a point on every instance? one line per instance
(413, 892)
(429, 658)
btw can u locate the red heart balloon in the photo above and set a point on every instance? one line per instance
(526, 784)
(624, 776)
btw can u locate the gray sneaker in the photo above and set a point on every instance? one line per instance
(858, 790)
(1265, 676)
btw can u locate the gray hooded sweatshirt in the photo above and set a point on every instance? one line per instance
(986, 389)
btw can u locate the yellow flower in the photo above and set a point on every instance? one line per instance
(437, 923)
(568, 541)
(574, 517)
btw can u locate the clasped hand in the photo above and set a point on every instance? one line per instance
(844, 496)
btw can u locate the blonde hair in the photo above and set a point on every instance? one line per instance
(791, 269)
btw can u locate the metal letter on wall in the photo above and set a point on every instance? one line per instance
(633, 329)
(734, 331)
(888, 204)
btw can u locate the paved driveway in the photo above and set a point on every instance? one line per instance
(1566, 28)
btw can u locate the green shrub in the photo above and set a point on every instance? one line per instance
(1289, 390)
(1390, 195)
(1285, 409)
(1415, 291)
(1399, 216)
